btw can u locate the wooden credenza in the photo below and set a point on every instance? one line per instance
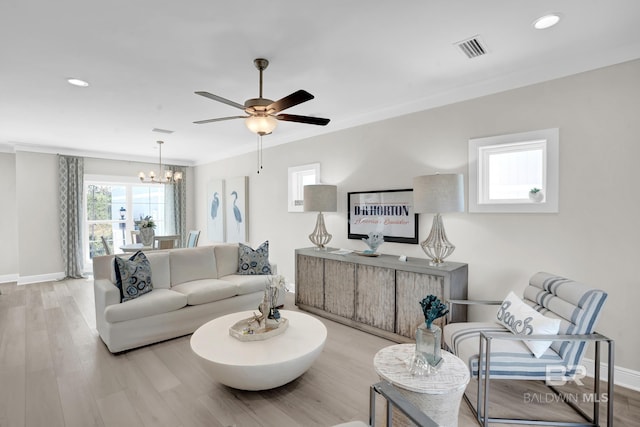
(380, 295)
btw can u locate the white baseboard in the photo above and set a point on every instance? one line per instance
(623, 377)
(50, 277)
(6, 278)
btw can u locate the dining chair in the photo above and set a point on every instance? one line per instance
(192, 240)
(107, 249)
(135, 236)
(166, 242)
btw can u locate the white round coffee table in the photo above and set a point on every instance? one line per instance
(259, 365)
(437, 395)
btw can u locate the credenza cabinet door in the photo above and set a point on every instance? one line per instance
(310, 281)
(411, 288)
(375, 297)
(339, 288)
(380, 295)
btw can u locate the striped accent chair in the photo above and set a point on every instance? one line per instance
(481, 344)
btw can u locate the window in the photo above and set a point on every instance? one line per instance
(111, 209)
(299, 176)
(514, 173)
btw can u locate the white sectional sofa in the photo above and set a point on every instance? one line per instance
(190, 287)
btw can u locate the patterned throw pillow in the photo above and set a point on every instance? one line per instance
(252, 261)
(521, 319)
(133, 276)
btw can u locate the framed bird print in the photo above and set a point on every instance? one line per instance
(215, 211)
(236, 209)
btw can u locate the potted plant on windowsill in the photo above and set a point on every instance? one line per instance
(146, 226)
(536, 195)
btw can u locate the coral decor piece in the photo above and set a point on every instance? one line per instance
(427, 358)
(432, 308)
(268, 323)
(373, 241)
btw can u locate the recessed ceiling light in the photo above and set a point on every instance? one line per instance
(546, 21)
(77, 82)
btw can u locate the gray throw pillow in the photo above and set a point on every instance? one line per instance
(252, 261)
(133, 276)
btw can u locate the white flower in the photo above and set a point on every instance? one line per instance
(278, 282)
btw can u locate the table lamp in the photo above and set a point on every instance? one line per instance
(320, 198)
(440, 193)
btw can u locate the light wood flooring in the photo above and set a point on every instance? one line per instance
(55, 371)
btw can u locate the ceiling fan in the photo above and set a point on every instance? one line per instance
(262, 113)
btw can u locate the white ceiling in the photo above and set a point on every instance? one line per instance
(364, 61)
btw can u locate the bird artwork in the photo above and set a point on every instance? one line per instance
(215, 204)
(236, 211)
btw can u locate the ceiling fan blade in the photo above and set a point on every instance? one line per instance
(303, 119)
(220, 99)
(220, 119)
(290, 100)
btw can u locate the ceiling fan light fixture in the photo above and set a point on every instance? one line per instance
(262, 125)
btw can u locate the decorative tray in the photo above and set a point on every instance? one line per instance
(368, 254)
(241, 331)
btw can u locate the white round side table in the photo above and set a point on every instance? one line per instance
(437, 395)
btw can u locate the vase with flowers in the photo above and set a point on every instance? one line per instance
(427, 357)
(146, 225)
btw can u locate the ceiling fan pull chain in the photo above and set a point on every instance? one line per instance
(258, 153)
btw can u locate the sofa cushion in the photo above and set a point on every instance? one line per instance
(133, 276)
(247, 284)
(157, 302)
(190, 264)
(159, 261)
(206, 290)
(253, 261)
(521, 319)
(226, 258)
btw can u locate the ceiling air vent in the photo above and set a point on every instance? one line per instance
(472, 47)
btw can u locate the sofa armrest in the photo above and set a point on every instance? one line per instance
(105, 294)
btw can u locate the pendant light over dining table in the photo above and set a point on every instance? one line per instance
(165, 176)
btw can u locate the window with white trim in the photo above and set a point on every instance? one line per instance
(514, 173)
(111, 209)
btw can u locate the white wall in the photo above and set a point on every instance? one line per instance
(8, 218)
(592, 239)
(30, 249)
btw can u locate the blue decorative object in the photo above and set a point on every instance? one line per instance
(133, 276)
(428, 358)
(252, 261)
(433, 309)
(373, 241)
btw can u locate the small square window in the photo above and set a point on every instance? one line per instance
(514, 173)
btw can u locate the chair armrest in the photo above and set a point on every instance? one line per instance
(452, 302)
(571, 337)
(394, 398)
(473, 302)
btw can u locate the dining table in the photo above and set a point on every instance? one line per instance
(135, 247)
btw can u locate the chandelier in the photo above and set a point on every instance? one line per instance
(165, 176)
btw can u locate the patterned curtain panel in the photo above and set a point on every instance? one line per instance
(70, 177)
(176, 205)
